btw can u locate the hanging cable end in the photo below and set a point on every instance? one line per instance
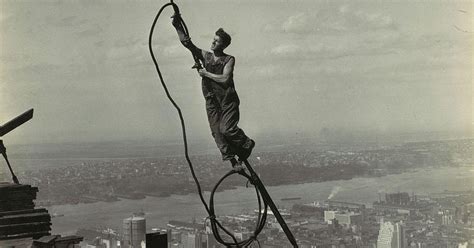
(175, 7)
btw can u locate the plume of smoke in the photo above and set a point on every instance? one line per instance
(334, 191)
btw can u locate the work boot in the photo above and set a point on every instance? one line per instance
(247, 150)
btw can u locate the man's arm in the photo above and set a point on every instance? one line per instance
(186, 40)
(220, 78)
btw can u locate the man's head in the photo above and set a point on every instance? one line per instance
(221, 40)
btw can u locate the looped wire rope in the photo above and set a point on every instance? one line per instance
(215, 224)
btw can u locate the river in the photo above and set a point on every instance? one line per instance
(159, 210)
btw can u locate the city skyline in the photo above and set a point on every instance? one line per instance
(331, 196)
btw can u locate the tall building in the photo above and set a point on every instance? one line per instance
(157, 239)
(211, 241)
(134, 232)
(191, 240)
(391, 235)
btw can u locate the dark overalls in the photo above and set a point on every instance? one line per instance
(222, 106)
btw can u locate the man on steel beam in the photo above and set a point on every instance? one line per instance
(222, 101)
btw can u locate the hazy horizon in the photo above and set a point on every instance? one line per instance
(153, 148)
(336, 136)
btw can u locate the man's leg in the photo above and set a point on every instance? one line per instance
(232, 133)
(214, 117)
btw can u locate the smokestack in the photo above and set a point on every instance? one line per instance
(334, 191)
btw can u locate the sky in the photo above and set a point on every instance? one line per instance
(301, 66)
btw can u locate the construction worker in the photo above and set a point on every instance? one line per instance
(222, 101)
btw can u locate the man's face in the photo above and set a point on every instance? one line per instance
(217, 43)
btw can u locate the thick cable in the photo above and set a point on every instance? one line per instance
(183, 125)
(261, 219)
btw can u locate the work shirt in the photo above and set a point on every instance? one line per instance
(224, 93)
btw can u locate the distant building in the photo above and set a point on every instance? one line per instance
(401, 203)
(354, 207)
(134, 232)
(110, 238)
(191, 240)
(446, 216)
(175, 224)
(157, 239)
(346, 219)
(211, 241)
(391, 236)
(401, 199)
(110, 242)
(312, 209)
(242, 235)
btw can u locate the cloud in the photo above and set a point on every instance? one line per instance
(174, 51)
(286, 49)
(334, 32)
(309, 70)
(331, 48)
(334, 20)
(297, 23)
(128, 42)
(137, 53)
(65, 22)
(325, 48)
(92, 31)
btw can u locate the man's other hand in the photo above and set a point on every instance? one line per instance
(202, 72)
